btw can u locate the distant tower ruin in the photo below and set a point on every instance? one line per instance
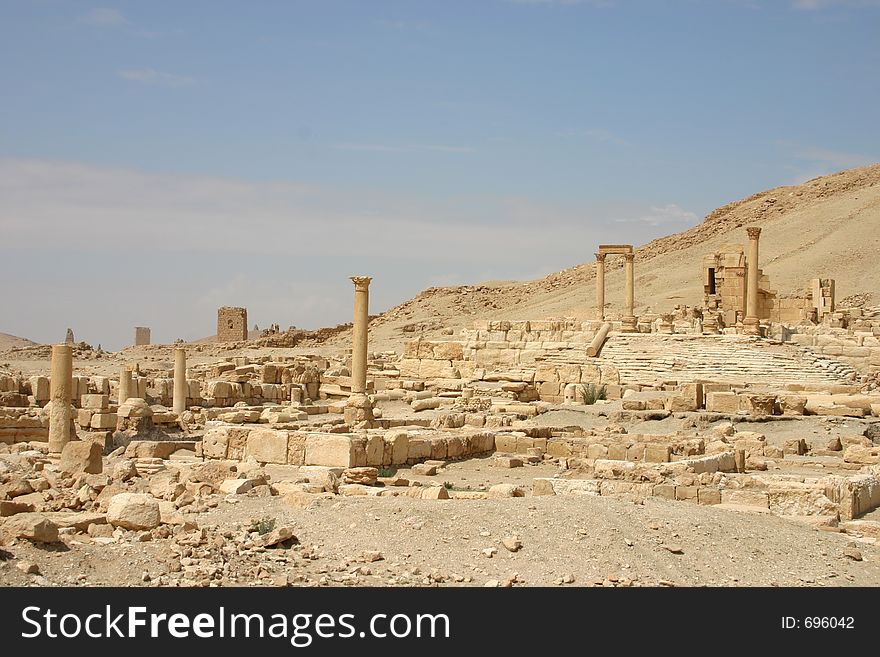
(69, 338)
(141, 335)
(232, 324)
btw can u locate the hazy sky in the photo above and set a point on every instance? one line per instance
(161, 159)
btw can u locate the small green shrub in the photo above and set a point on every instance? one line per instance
(263, 525)
(448, 485)
(387, 472)
(592, 393)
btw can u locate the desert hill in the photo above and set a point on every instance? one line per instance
(12, 342)
(827, 227)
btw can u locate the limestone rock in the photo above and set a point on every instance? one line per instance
(133, 511)
(34, 527)
(276, 536)
(424, 469)
(511, 543)
(364, 475)
(81, 456)
(499, 491)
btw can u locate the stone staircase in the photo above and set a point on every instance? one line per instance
(653, 358)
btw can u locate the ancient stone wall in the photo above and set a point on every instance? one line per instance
(232, 325)
(141, 335)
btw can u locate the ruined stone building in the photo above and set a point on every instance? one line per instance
(725, 290)
(232, 324)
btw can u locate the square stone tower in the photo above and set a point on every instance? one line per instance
(232, 325)
(141, 335)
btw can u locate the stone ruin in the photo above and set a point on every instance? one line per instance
(232, 324)
(725, 290)
(141, 335)
(676, 403)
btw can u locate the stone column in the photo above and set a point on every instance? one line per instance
(600, 286)
(359, 335)
(629, 319)
(60, 389)
(125, 385)
(359, 408)
(751, 323)
(180, 389)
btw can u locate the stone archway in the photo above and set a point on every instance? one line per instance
(630, 324)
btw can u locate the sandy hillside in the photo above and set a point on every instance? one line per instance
(11, 342)
(828, 227)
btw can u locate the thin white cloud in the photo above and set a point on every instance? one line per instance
(152, 76)
(592, 3)
(390, 24)
(281, 248)
(808, 162)
(598, 135)
(403, 148)
(816, 5)
(837, 159)
(664, 215)
(104, 17)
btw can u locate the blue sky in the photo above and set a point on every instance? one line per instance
(160, 159)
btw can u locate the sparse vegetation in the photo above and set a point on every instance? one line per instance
(263, 525)
(387, 472)
(591, 393)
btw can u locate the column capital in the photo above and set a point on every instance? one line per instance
(754, 232)
(361, 282)
(629, 256)
(600, 257)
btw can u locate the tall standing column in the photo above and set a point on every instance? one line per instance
(180, 389)
(751, 323)
(359, 409)
(125, 385)
(629, 319)
(359, 336)
(60, 389)
(600, 286)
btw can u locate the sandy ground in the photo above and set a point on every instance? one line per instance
(566, 540)
(584, 540)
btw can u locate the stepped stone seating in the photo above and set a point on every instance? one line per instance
(647, 358)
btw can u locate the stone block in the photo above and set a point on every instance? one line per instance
(267, 445)
(98, 402)
(708, 495)
(418, 449)
(33, 527)
(666, 491)
(722, 402)
(103, 421)
(657, 453)
(686, 493)
(335, 450)
(81, 456)
(399, 446)
(135, 511)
